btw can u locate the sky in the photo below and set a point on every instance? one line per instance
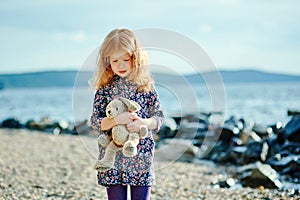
(236, 34)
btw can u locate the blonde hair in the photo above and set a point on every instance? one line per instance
(123, 40)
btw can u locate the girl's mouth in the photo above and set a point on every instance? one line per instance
(122, 72)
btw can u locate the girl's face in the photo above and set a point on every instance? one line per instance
(121, 63)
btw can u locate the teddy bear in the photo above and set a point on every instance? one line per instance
(120, 138)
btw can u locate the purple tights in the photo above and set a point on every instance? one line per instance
(119, 192)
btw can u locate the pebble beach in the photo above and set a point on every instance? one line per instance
(38, 165)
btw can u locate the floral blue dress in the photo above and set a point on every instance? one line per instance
(137, 170)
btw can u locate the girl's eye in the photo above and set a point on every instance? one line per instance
(114, 61)
(127, 59)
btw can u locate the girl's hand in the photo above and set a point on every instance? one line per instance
(134, 126)
(123, 118)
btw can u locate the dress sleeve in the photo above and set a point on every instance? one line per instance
(155, 109)
(99, 105)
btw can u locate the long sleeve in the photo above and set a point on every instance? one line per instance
(155, 109)
(99, 105)
(137, 170)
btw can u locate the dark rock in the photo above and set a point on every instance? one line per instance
(292, 188)
(177, 118)
(208, 144)
(189, 126)
(201, 118)
(227, 183)
(63, 125)
(236, 142)
(192, 130)
(218, 148)
(45, 124)
(177, 149)
(278, 127)
(292, 129)
(285, 165)
(227, 132)
(292, 112)
(239, 123)
(11, 123)
(169, 129)
(230, 129)
(221, 157)
(82, 128)
(258, 174)
(280, 136)
(219, 153)
(236, 154)
(292, 147)
(256, 151)
(262, 131)
(247, 136)
(275, 145)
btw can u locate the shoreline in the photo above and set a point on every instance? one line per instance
(39, 165)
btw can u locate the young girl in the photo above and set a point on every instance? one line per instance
(123, 72)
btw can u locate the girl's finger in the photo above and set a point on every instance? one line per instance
(133, 115)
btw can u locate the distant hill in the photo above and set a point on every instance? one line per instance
(43, 79)
(246, 76)
(67, 78)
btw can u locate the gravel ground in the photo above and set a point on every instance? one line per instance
(36, 165)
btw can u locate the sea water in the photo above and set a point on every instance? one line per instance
(265, 103)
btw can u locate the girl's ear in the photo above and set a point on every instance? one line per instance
(131, 105)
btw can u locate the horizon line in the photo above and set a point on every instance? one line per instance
(156, 71)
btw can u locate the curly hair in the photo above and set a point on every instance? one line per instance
(123, 40)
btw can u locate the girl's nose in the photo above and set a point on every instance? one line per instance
(121, 64)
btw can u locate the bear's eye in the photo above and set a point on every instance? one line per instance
(117, 109)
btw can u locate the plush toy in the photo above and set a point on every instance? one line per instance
(120, 137)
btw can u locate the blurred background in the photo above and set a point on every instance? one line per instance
(253, 44)
(237, 34)
(48, 55)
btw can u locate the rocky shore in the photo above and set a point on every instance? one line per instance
(39, 165)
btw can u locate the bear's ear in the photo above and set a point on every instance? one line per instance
(131, 105)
